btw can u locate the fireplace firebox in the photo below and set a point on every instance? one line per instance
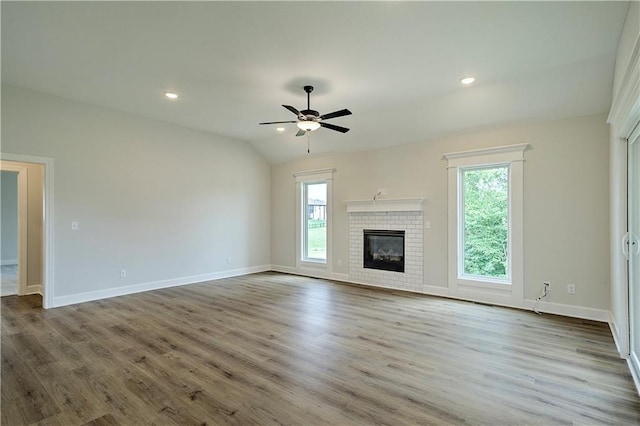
(384, 250)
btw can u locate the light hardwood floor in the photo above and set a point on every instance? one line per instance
(279, 349)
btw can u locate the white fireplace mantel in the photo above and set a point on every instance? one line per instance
(385, 205)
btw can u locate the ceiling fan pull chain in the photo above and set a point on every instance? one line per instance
(308, 143)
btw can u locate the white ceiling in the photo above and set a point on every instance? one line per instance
(395, 65)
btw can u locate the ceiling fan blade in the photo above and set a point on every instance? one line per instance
(293, 110)
(335, 114)
(278, 122)
(334, 127)
(300, 132)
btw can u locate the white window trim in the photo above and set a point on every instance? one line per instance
(306, 267)
(485, 289)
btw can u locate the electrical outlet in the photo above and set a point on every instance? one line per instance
(571, 288)
(123, 273)
(74, 226)
(229, 260)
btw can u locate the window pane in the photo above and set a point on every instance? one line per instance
(486, 221)
(316, 221)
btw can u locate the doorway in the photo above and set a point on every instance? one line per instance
(22, 228)
(9, 233)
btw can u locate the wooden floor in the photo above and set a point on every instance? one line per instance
(279, 349)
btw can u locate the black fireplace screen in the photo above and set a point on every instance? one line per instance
(384, 250)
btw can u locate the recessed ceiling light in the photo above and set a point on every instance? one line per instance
(280, 129)
(171, 95)
(467, 80)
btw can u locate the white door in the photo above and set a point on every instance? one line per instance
(632, 246)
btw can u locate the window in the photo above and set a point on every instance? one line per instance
(313, 222)
(484, 249)
(486, 224)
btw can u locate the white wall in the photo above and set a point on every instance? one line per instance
(9, 218)
(162, 201)
(566, 193)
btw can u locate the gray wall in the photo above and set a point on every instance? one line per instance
(166, 202)
(9, 218)
(162, 201)
(565, 202)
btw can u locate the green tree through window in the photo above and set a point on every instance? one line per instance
(486, 221)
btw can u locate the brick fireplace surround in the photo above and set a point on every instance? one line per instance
(387, 215)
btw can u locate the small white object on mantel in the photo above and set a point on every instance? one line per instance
(385, 205)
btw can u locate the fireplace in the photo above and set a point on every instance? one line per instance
(383, 250)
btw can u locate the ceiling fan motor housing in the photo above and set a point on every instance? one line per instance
(310, 112)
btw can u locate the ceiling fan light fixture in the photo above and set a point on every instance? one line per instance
(467, 80)
(308, 125)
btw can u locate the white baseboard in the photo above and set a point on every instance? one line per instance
(340, 277)
(615, 333)
(434, 290)
(345, 278)
(573, 311)
(426, 289)
(581, 312)
(285, 269)
(309, 272)
(154, 285)
(634, 367)
(8, 262)
(34, 289)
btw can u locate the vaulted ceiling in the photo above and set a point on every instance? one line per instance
(395, 65)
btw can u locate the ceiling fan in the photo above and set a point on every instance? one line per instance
(310, 120)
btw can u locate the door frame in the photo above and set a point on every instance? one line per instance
(633, 173)
(48, 210)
